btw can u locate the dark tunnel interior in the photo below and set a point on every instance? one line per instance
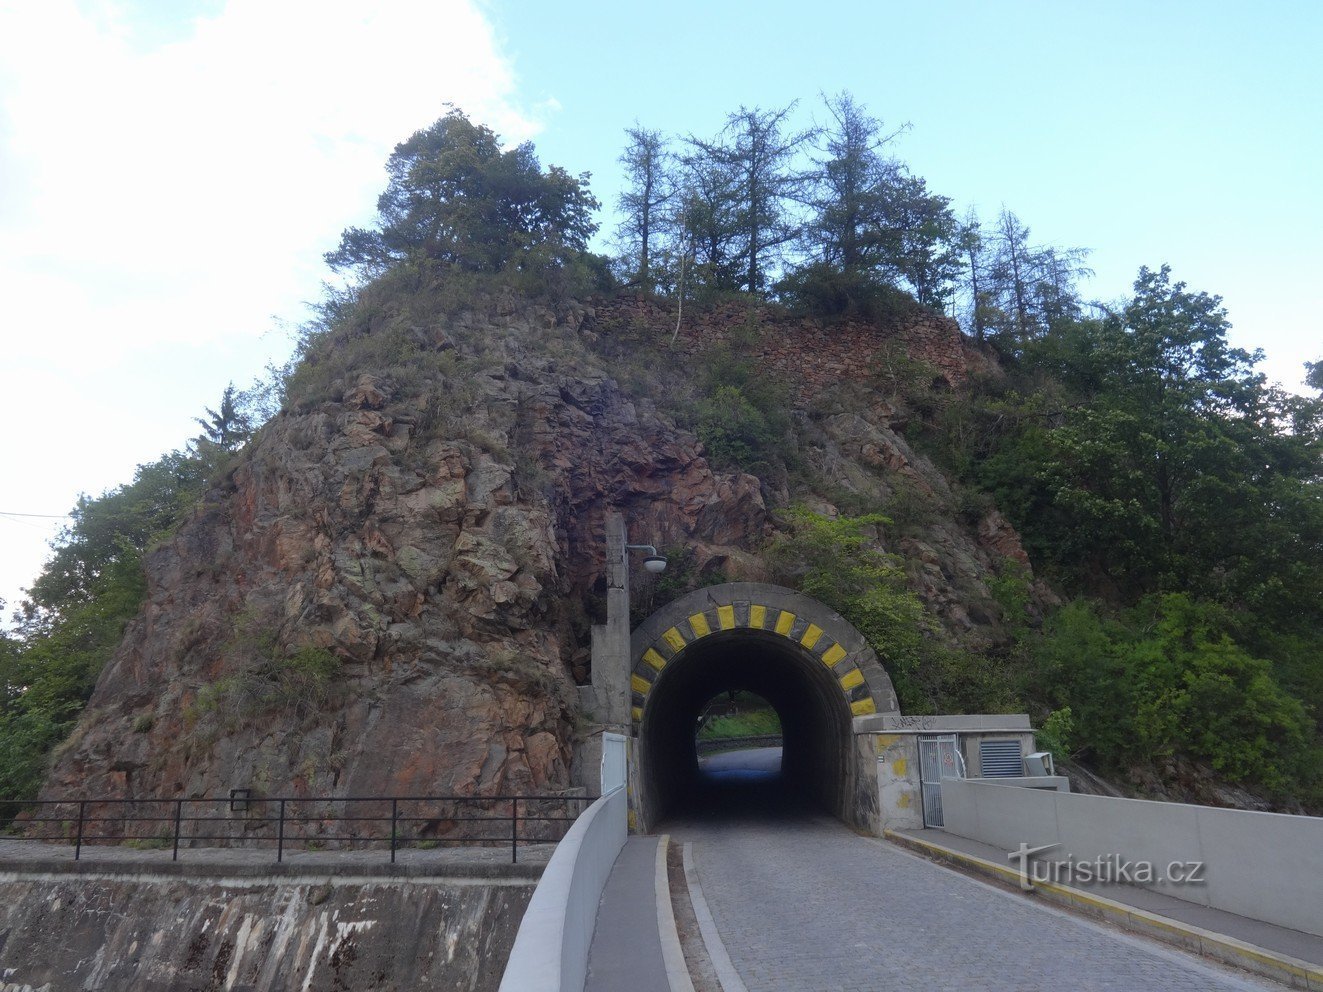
(815, 722)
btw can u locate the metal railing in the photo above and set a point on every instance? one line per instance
(285, 822)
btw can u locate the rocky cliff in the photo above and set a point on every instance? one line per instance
(391, 587)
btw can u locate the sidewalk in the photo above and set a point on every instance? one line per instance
(1267, 949)
(626, 952)
(33, 857)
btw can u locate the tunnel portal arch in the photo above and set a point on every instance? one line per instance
(801, 656)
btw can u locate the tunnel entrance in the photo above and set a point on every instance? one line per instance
(805, 660)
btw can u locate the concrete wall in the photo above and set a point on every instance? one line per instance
(1265, 866)
(899, 789)
(141, 929)
(550, 953)
(895, 739)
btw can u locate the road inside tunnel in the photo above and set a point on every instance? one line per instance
(812, 770)
(740, 786)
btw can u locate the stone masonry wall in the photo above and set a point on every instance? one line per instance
(806, 350)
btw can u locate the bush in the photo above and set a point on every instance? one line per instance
(305, 682)
(838, 562)
(1166, 680)
(822, 290)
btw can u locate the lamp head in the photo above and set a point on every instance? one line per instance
(655, 564)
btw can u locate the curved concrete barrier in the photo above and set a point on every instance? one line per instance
(550, 952)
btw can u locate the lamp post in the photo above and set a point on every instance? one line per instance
(654, 563)
(610, 641)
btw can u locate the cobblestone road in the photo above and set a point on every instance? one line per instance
(804, 904)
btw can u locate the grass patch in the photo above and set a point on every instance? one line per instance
(753, 723)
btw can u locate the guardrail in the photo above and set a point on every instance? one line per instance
(714, 744)
(283, 822)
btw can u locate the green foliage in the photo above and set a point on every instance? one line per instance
(1162, 463)
(839, 562)
(455, 199)
(821, 289)
(734, 431)
(754, 723)
(76, 611)
(1165, 679)
(742, 417)
(99, 550)
(305, 682)
(644, 203)
(227, 427)
(741, 221)
(1011, 590)
(1057, 733)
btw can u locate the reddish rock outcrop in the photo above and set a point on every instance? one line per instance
(389, 592)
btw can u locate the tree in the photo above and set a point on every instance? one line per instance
(76, 610)
(874, 224)
(1012, 274)
(755, 154)
(707, 222)
(1030, 286)
(1314, 375)
(1173, 467)
(921, 246)
(649, 191)
(853, 183)
(972, 245)
(455, 198)
(228, 427)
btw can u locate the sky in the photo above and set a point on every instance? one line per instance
(171, 172)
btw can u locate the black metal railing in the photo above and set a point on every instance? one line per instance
(286, 822)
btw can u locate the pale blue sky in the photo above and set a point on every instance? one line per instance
(170, 173)
(1186, 133)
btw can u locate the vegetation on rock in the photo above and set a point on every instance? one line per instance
(458, 414)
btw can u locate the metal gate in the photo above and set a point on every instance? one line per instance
(939, 758)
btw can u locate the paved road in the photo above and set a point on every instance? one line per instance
(803, 903)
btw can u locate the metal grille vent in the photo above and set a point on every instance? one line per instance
(1000, 759)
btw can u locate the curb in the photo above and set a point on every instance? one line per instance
(727, 977)
(1227, 950)
(677, 970)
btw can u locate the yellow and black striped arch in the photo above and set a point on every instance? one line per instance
(750, 616)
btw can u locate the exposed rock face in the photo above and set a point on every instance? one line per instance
(387, 593)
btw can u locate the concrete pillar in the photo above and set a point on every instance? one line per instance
(610, 643)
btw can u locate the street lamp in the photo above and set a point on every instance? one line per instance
(654, 562)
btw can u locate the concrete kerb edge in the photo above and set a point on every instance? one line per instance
(677, 971)
(1220, 947)
(727, 975)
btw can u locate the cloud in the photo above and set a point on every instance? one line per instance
(178, 187)
(234, 150)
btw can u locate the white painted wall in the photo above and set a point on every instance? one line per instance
(550, 952)
(1265, 866)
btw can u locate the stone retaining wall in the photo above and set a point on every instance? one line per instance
(803, 350)
(150, 932)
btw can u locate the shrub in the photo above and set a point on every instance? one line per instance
(838, 562)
